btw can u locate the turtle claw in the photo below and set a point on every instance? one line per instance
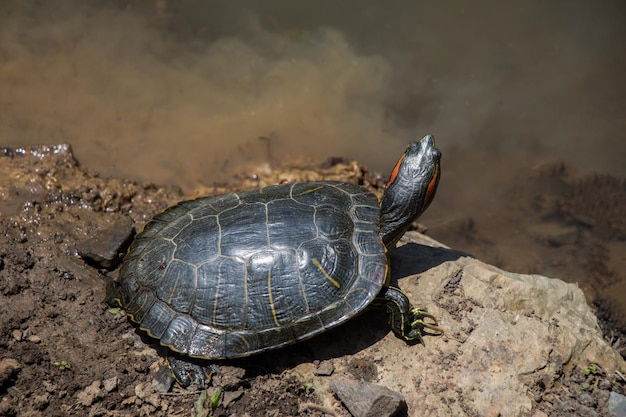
(417, 321)
(407, 322)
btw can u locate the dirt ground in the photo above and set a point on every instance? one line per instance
(65, 352)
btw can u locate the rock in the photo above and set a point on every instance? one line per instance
(617, 404)
(505, 333)
(91, 394)
(363, 399)
(110, 384)
(326, 368)
(163, 380)
(106, 240)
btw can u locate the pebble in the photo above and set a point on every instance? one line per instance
(110, 384)
(102, 246)
(163, 380)
(617, 404)
(363, 399)
(326, 368)
(89, 395)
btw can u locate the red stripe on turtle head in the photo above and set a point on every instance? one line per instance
(394, 173)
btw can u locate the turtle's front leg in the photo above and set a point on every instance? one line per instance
(406, 321)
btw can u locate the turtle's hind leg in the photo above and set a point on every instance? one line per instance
(406, 321)
(188, 371)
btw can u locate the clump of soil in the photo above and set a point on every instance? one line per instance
(578, 394)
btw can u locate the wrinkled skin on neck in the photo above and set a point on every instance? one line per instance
(410, 190)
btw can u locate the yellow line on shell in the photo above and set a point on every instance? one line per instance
(311, 190)
(321, 268)
(269, 291)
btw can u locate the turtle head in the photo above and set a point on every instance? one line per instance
(411, 187)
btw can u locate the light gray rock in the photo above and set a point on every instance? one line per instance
(363, 399)
(110, 384)
(617, 404)
(326, 368)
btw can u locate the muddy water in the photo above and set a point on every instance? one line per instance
(187, 93)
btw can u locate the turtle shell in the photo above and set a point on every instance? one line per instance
(236, 274)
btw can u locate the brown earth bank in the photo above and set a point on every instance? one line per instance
(64, 351)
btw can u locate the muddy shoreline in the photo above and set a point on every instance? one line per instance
(65, 352)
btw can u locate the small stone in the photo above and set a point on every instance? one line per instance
(326, 368)
(163, 380)
(363, 399)
(102, 247)
(17, 335)
(91, 394)
(617, 404)
(34, 339)
(110, 384)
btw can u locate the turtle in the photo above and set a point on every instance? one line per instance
(232, 275)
